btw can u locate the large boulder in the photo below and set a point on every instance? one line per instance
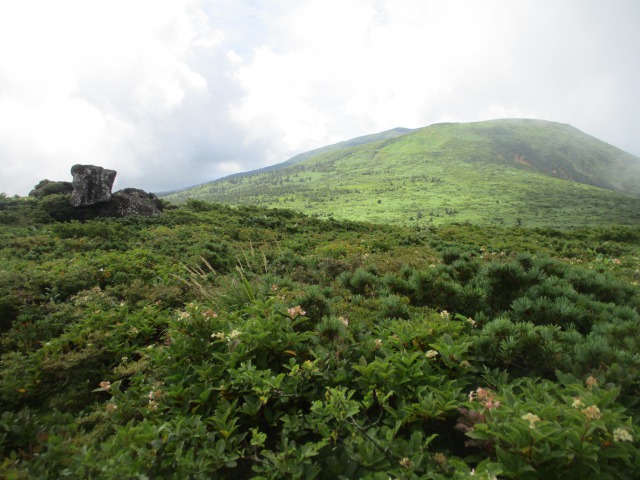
(131, 201)
(91, 185)
(47, 187)
(89, 196)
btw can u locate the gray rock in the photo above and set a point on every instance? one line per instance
(90, 196)
(91, 184)
(47, 187)
(131, 201)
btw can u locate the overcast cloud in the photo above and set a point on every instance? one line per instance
(172, 93)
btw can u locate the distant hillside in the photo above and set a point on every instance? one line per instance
(181, 195)
(354, 142)
(513, 171)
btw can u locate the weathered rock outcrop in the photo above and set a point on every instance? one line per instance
(131, 201)
(47, 187)
(89, 196)
(91, 185)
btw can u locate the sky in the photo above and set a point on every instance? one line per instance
(173, 93)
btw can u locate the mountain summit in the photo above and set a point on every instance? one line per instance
(526, 171)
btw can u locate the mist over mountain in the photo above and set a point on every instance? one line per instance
(493, 172)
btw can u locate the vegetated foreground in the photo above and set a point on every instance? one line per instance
(213, 342)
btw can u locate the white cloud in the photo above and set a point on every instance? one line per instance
(176, 92)
(361, 66)
(369, 67)
(103, 82)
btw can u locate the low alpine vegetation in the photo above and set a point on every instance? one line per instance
(214, 342)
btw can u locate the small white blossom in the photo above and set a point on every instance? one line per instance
(622, 435)
(592, 412)
(577, 403)
(532, 419)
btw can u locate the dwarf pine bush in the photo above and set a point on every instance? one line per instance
(315, 303)
(318, 350)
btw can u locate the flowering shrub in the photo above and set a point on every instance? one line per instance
(387, 360)
(535, 428)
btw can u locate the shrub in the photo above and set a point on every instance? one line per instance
(398, 284)
(219, 256)
(298, 364)
(567, 431)
(523, 348)
(435, 289)
(507, 281)
(394, 306)
(58, 207)
(451, 254)
(362, 281)
(315, 303)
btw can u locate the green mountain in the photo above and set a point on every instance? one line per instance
(513, 171)
(354, 142)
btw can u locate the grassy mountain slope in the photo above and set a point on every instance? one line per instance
(182, 194)
(354, 142)
(497, 172)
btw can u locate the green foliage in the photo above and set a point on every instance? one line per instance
(512, 172)
(315, 303)
(394, 306)
(362, 281)
(567, 431)
(215, 342)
